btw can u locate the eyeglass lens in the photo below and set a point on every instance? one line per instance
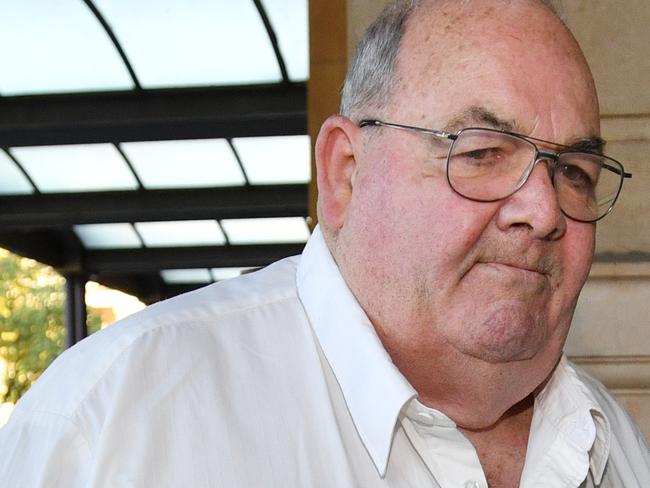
(487, 165)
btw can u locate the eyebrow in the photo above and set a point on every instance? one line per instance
(482, 116)
(593, 144)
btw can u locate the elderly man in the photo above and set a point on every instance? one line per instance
(418, 339)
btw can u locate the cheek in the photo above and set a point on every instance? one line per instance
(419, 224)
(409, 219)
(452, 225)
(577, 255)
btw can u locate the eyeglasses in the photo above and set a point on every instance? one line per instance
(487, 165)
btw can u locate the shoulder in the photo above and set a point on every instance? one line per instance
(229, 367)
(205, 322)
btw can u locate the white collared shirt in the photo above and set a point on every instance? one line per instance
(277, 379)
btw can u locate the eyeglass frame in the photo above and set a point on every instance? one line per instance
(539, 155)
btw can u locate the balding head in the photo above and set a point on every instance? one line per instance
(370, 79)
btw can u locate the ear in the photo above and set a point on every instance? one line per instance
(337, 141)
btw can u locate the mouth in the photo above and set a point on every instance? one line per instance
(515, 274)
(526, 263)
(517, 266)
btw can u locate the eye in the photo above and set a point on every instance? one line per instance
(481, 156)
(488, 154)
(577, 176)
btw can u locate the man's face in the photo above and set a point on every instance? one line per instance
(493, 281)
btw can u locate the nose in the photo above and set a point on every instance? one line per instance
(535, 206)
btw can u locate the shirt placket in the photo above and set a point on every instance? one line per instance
(447, 453)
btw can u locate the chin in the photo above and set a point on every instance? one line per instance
(510, 333)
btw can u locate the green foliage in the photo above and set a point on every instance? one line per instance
(32, 332)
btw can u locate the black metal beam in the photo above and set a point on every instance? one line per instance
(173, 290)
(61, 210)
(120, 261)
(154, 115)
(149, 288)
(60, 249)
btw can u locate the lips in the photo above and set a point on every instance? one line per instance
(525, 259)
(511, 268)
(513, 276)
(534, 268)
(531, 259)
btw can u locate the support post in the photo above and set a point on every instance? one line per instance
(75, 309)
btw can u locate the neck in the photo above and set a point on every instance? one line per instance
(474, 393)
(502, 447)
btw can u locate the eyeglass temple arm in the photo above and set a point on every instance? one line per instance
(434, 132)
(618, 171)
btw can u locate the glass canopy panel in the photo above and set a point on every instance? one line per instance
(12, 180)
(219, 274)
(291, 25)
(181, 233)
(184, 164)
(203, 42)
(54, 47)
(266, 231)
(76, 168)
(186, 276)
(278, 159)
(107, 236)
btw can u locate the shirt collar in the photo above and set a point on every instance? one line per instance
(572, 407)
(374, 389)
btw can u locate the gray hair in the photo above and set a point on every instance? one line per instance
(369, 81)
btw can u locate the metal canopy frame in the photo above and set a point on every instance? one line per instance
(40, 225)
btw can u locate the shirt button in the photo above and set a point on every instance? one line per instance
(472, 484)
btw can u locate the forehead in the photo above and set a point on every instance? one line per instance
(512, 57)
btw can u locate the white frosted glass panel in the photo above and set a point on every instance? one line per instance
(266, 231)
(107, 236)
(12, 180)
(56, 46)
(193, 42)
(181, 233)
(186, 276)
(184, 164)
(291, 25)
(79, 167)
(279, 159)
(219, 274)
